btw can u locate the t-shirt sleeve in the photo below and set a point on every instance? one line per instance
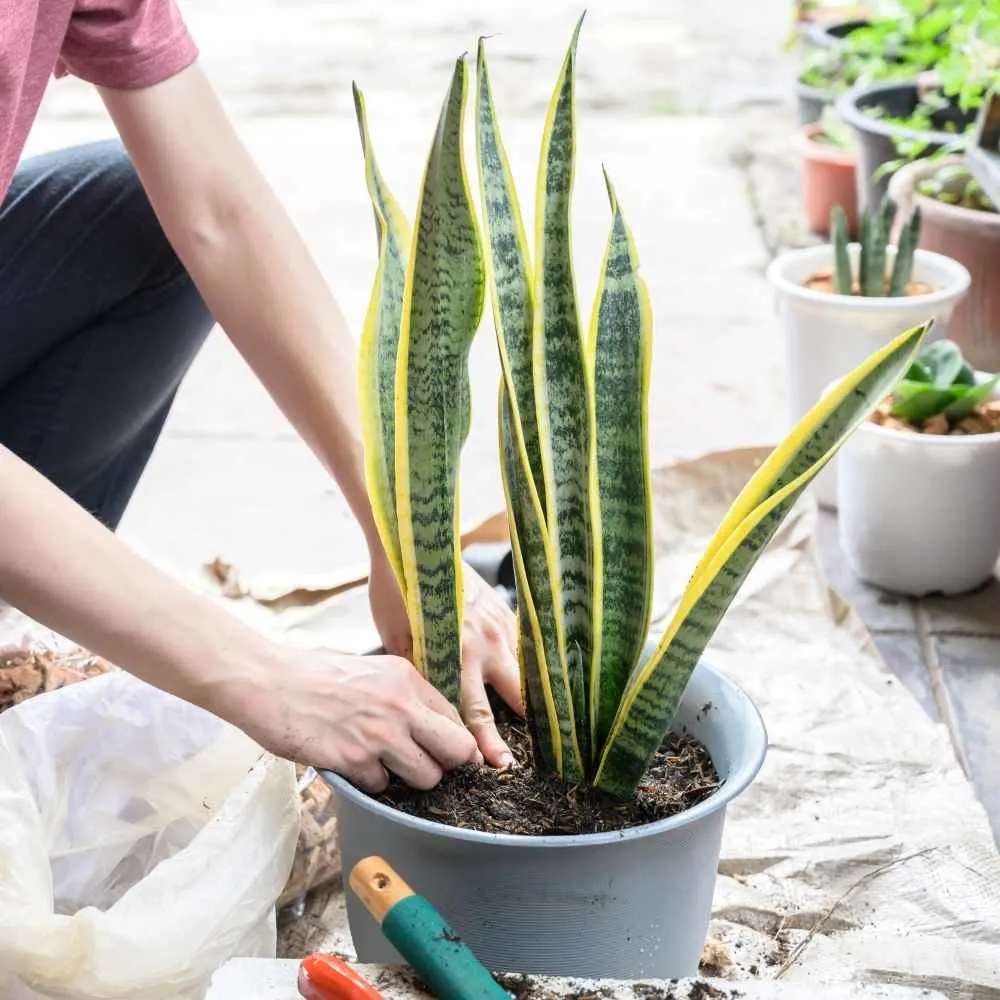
(126, 44)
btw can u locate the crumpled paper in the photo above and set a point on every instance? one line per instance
(860, 855)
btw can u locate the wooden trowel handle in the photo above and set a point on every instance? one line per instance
(419, 933)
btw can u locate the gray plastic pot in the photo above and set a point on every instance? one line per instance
(811, 101)
(876, 137)
(624, 905)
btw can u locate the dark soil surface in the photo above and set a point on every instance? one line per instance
(521, 801)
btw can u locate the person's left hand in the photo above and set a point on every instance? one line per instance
(489, 650)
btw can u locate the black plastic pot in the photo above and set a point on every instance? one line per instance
(811, 101)
(877, 137)
(824, 36)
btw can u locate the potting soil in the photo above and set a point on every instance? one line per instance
(520, 800)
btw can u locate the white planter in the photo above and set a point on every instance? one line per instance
(920, 513)
(826, 336)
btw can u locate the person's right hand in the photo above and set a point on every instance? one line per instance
(356, 715)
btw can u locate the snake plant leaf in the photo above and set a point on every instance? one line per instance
(442, 307)
(379, 347)
(508, 267)
(561, 392)
(546, 678)
(620, 348)
(654, 693)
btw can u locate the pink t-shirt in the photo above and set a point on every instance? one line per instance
(119, 44)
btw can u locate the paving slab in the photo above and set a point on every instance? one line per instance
(970, 672)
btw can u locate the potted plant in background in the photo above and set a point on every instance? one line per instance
(828, 70)
(960, 222)
(919, 485)
(840, 302)
(897, 121)
(899, 44)
(827, 151)
(597, 856)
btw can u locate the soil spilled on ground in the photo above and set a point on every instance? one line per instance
(521, 801)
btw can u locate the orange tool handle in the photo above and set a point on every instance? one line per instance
(326, 977)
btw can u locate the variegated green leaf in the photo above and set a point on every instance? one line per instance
(620, 351)
(508, 267)
(379, 347)
(653, 695)
(443, 304)
(546, 681)
(561, 393)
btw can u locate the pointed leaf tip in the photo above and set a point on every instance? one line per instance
(612, 197)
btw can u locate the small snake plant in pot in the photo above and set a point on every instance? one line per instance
(623, 899)
(840, 302)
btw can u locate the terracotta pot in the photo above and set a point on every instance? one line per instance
(973, 239)
(828, 179)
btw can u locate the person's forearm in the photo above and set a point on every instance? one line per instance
(253, 269)
(63, 568)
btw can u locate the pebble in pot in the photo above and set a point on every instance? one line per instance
(919, 484)
(839, 302)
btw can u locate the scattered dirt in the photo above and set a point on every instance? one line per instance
(715, 960)
(698, 991)
(985, 419)
(526, 988)
(822, 281)
(523, 802)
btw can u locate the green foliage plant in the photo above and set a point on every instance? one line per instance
(940, 381)
(876, 228)
(574, 449)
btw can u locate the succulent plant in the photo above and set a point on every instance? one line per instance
(574, 450)
(940, 381)
(876, 228)
(953, 184)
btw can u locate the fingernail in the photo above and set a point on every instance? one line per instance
(506, 760)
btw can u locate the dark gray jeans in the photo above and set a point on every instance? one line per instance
(99, 322)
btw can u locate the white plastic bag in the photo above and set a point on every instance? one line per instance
(143, 843)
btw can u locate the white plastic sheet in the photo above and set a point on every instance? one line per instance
(143, 842)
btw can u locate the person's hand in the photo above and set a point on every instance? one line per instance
(359, 716)
(489, 650)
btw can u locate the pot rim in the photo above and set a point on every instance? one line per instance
(847, 108)
(803, 140)
(955, 288)
(943, 440)
(821, 32)
(825, 94)
(735, 783)
(912, 173)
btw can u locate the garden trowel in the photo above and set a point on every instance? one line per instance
(419, 933)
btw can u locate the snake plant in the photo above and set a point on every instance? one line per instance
(572, 412)
(876, 228)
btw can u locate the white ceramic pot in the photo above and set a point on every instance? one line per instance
(920, 513)
(827, 336)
